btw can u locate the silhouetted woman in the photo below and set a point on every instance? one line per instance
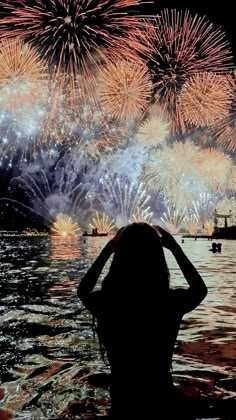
(138, 319)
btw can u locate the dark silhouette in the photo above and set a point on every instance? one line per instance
(215, 247)
(138, 318)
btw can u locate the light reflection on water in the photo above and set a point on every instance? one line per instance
(47, 346)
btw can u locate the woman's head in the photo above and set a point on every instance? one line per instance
(139, 259)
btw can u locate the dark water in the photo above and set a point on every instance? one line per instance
(50, 364)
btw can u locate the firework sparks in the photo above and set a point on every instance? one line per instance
(173, 170)
(205, 98)
(124, 89)
(22, 76)
(203, 207)
(102, 223)
(173, 218)
(122, 199)
(191, 223)
(80, 122)
(142, 215)
(225, 130)
(153, 131)
(214, 168)
(183, 45)
(72, 32)
(64, 226)
(48, 193)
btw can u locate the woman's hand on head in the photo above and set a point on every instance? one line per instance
(113, 243)
(167, 240)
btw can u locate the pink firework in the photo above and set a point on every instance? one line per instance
(73, 33)
(182, 45)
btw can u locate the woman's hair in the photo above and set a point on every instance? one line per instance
(139, 262)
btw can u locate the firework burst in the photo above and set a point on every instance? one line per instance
(225, 130)
(64, 226)
(122, 199)
(182, 45)
(203, 207)
(205, 98)
(214, 169)
(124, 89)
(153, 131)
(173, 170)
(49, 193)
(173, 218)
(102, 223)
(142, 215)
(23, 76)
(71, 33)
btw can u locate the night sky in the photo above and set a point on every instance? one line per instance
(220, 14)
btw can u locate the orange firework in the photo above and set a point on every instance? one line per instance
(124, 89)
(225, 130)
(23, 75)
(205, 98)
(214, 168)
(182, 45)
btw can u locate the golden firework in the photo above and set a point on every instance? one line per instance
(205, 98)
(102, 223)
(124, 89)
(225, 130)
(64, 226)
(23, 75)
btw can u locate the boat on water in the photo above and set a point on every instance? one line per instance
(95, 233)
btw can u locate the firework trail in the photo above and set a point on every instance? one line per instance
(142, 215)
(173, 218)
(48, 194)
(191, 223)
(204, 206)
(122, 199)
